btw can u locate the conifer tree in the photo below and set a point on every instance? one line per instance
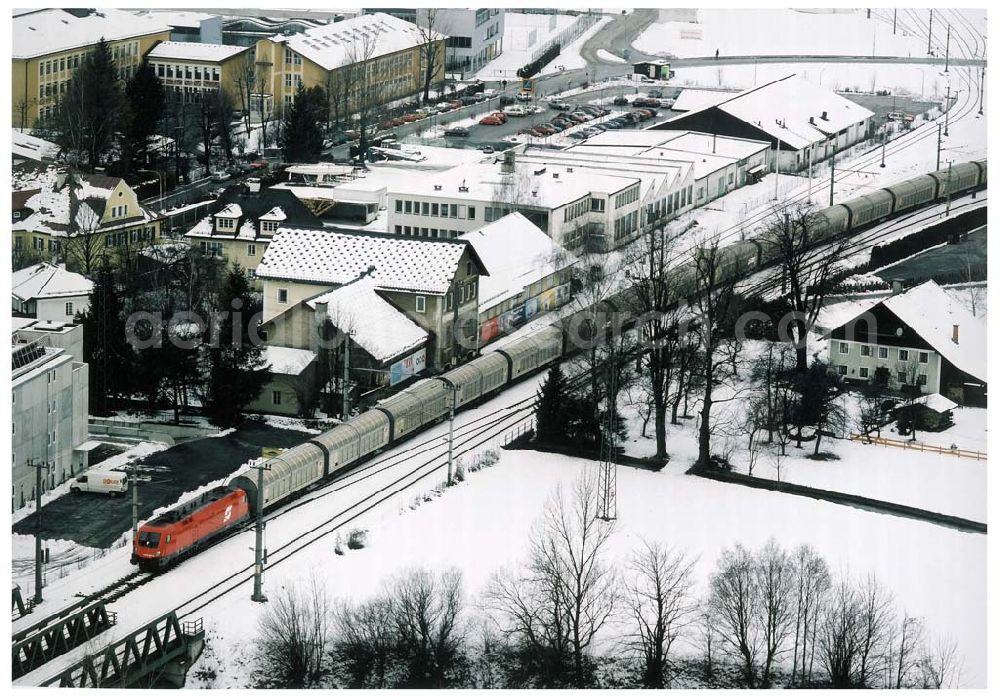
(552, 408)
(106, 350)
(301, 132)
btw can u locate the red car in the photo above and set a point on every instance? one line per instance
(545, 130)
(500, 115)
(410, 118)
(490, 121)
(457, 104)
(397, 122)
(259, 165)
(183, 529)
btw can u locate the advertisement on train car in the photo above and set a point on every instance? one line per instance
(407, 367)
(489, 330)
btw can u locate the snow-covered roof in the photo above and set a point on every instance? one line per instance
(30, 147)
(936, 402)
(48, 31)
(45, 281)
(695, 99)
(340, 43)
(275, 213)
(932, 313)
(381, 329)
(516, 253)
(339, 257)
(189, 50)
(783, 109)
(231, 210)
(287, 361)
(178, 18)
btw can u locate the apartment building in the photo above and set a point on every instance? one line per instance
(361, 62)
(49, 415)
(475, 36)
(49, 45)
(189, 70)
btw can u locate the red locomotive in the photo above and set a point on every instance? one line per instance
(183, 529)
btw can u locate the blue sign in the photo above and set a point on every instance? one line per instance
(527, 85)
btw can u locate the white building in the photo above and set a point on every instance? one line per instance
(49, 414)
(475, 36)
(50, 293)
(798, 118)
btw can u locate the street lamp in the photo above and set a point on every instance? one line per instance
(159, 180)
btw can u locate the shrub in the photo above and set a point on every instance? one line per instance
(357, 539)
(337, 548)
(459, 473)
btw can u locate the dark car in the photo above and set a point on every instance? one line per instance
(506, 101)
(458, 131)
(559, 105)
(578, 136)
(558, 126)
(620, 101)
(655, 94)
(468, 101)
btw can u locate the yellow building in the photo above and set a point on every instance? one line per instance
(49, 45)
(190, 70)
(78, 218)
(361, 62)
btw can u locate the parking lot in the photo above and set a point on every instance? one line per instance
(98, 521)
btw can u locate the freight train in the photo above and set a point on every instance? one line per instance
(184, 529)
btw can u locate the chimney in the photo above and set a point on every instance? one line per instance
(60, 179)
(824, 117)
(508, 162)
(954, 333)
(812, 121)
(253, 185)
(897, 286)
(555, 175)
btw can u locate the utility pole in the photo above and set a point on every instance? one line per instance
(135, 498)
(345, 407)
(809, 194)
(947, 48)
(947, 109)
(930, 25)
(982, 87)
(894, 22)
(260, 555)
(777, 166)
(607, 480)
(451, 427)
(937, 166)
(38, 527)
(884, 128)
(833, 162)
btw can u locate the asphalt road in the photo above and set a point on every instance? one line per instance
(99, 521)
(951, 261)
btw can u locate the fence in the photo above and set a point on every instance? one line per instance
(569, 34)
(919, 446)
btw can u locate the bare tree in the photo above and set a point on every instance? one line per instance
(877, 616)
(365, 641)
(775, 580)
(715, 302)
(565, 594)
(839, 635)
(708, 638)
(84, 244)
(812, 581)
(429, 633)
(293, 634)
(365, 91)
(734, 602)
(807, 272)
(659, 601)
(247, 84)
(430, 30)
(902, 658)
(940, 665)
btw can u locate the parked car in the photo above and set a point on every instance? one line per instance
(488, 149)
(613, 124)
(523, 96)
(468, 101)
(500, 115)
(490, 121)
(559, 105)
(898, 116)
(557, 127)
(456, 104)
(220, 175)
(490, 93)
(545, 129)
(259, 165)
(654, 93)
(515, 110)
(579, 135)
(458, 132)
(620, 101)
(655, 103)
(352, 134)
(579, 117)
(110, 482)
(410, 118)
(505, 100)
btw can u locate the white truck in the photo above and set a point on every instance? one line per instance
(110, 482)
(516, 110)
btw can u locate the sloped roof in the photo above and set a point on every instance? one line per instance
(51, 30)
(380, 328)
(932, 313)
(47, 281)
(696, 99)
(340, 43)
(267, 204)
(936, 402)
(287, 361)
(337, 257)
(517, 253)
(31, 147)
(190, 50)
(792, 101)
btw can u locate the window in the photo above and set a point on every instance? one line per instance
(409, 207)
(842, 369)
(421, 304)
(269, 226)
(399, 206)
(69, 309)
(434, 209)
(923, 357)
(866, 351)
(904, 355)
(472, 213)
(883, 353)
(863, 372)
(282, 296)
(844, 347)
(399, 228)
(251, 249)
(921, 379)
(425, 208)
(52, 375)
(901, 377)
(276, 397)
(225, 223)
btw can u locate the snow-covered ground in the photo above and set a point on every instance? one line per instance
(569, 57)
(523, 35)
(483, 525)
(774, 32)
(609, 57)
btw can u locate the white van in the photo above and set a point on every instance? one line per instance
(516, 110)
(110, 482)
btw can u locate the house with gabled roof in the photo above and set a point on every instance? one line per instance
(50, 293)
(801, 120)
(432, 283)
(76, 217)
(920, 337)
(244, 220)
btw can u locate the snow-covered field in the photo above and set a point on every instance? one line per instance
(774, 32)
(609, 57)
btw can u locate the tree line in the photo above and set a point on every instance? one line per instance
(569, 616)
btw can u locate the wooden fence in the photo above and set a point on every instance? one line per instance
(918, 446)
